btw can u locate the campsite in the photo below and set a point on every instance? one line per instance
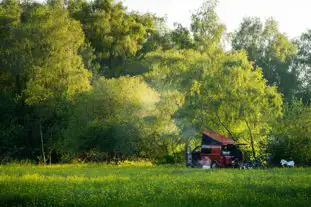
(155, 103)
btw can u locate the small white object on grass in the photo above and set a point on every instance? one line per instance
(287, 163)
(206, 167)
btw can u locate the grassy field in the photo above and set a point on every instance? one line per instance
(100, 185)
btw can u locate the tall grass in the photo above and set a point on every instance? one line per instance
(128, 185)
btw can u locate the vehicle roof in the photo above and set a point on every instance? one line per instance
(218, 137)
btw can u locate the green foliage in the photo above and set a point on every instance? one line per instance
(291, 136)
(302, 64)
(42, 70)
(57, 51)
(40, 55)
(271, 50)
(181, 37)
(206, 27)
(93, 81)
(113, 33)
(13, 59)
(111, 116)
(225, 94)
(158, 36)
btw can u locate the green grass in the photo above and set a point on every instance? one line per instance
(101, 185)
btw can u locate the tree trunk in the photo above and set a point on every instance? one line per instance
(42, 144)
(50, 157)
(115, 158)
(108, 157)
(17, 84)
(252, 139)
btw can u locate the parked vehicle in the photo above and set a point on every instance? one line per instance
(215, 150)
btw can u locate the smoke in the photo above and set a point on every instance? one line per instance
(188, 131)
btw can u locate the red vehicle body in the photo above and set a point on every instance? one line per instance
(219, 150)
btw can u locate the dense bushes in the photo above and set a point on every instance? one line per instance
(291, 136)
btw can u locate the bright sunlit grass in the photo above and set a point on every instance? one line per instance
(134, 185)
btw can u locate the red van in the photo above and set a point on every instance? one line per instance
(218, 150)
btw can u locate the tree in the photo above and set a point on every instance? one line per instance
(270, 50)
(41, 58)
(206, 27)
(12, 60)
(224, 93)
(181, 37)
(158, 38)
(302, 64)
(109, 119)
(57, 73)
(249, 37)
(113, 33)
(291, 134)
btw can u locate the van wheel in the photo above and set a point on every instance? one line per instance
(214, 165)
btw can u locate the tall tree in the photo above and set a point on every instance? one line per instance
(206, 27)
(223, 93)
(181, 37)
(57, 72)
(13, 61)
(271, 50)
(114, 34)
(302, 64)
(41, 57)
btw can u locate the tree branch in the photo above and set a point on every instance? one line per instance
(227, 129)
(252, 140)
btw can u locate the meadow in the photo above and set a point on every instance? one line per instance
(102, 185)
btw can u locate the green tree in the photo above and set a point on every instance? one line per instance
(41, 61)
(109, 118)
(222, 92)
(270, 50)
(114, 34)
(13, 61)
(57, 73)
(181, 37)
(291, 135)
(158, 38)
(302, 64)
(206, 28)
